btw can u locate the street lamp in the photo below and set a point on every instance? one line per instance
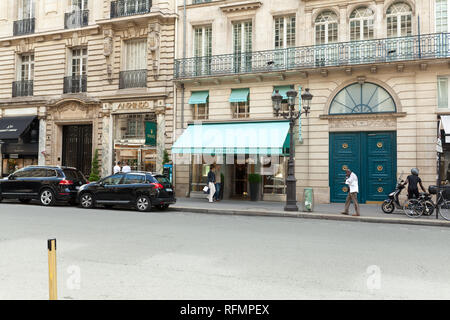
(292, 115)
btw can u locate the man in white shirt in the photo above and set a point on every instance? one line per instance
(352, 182)
(117, 168)
(126, 168)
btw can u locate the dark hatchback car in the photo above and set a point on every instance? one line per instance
(47, 184)
(140, 190)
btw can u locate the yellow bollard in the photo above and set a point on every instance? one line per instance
(51, 244)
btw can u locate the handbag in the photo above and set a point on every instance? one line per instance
(206, 189)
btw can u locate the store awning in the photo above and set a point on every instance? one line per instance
(13, 127)
(264, 138)
(282, 90)
(199, 97)
(445, 124)
(239, 95)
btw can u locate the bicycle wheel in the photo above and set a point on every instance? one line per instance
(444, 210)
(413, 208)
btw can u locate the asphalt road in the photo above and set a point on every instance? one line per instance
(123, 254)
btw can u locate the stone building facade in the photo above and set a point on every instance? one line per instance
(80, 65)
(378, 71)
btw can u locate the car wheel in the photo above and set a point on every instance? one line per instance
(143, 204)
(163, 206)
(47, 197)
(25, 200)
(87, 200)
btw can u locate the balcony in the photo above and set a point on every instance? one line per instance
(123, 8)
(430, 46)
(76, 19)
(75, 84)
(133, 79)
(22, 27)
(22, 88)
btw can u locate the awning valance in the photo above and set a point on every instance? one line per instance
(199, 97)
(282, 90)
(264, 138)
(13, 127)
(239, 95)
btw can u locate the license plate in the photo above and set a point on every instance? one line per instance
(169, 190)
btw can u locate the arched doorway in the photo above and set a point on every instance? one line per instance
(368, 151)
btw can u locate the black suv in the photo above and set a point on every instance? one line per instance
(47, 184)
(141, 190)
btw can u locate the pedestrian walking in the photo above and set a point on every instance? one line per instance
(218, 183)
(352, 182)
(211, 183)
(126, 168)
(117, 168)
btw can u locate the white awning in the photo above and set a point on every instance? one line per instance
(445, 124)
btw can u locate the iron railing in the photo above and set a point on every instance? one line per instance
(76, 19)
(133, 79)
(121, 8)
(75, 84)
(406, 48)
(25, 26)
(22, 88)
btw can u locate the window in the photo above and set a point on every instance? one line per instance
(132, 125)
(113, 180)
(362, 98)
(242, 46)
(442, 92)
(26, 9)
(135, 57)
(284, 32)
(361, 24)
(134, 178)
(203, 49)
(79, 62)
(398, 19)
(240, 109)
(200, 111)
(79, 5)
(26, 67)
(274, 183)
(326, 26)
(441, 16)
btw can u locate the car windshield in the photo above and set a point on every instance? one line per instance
(162, 179)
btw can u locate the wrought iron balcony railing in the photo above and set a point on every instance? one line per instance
(133, 79)
(76, 19)
(75, 84)
(22, 27)
(406, 48)
(121, 8)
(22, 88)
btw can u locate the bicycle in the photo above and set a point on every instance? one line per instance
(414, 208)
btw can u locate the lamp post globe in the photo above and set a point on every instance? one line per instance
(276, 102)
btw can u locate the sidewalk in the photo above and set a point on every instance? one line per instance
(369, 212)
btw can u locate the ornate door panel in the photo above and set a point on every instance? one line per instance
(77, 147)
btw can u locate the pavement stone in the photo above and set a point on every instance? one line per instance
(369, 212)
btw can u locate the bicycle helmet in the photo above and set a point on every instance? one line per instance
(415, 171)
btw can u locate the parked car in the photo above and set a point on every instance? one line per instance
(47, 184)
(141, 190)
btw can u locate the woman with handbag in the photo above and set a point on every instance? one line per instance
(211, 183)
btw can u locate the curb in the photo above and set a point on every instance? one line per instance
(314, 215)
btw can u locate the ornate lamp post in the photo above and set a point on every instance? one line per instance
(292, 115)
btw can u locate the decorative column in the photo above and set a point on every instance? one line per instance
(42, 136)
(160, 134)
(107, 141)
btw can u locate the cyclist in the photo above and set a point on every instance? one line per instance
(412, 181)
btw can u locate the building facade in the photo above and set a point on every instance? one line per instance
(81, 75)
(378, 71)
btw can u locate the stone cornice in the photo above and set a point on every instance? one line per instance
(241, 6)
(358, 116)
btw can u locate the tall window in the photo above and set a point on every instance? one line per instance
(284, 32)
(203, 49)
(441, 16)
(26, 67)
(326, 26)
(361, 24)
(242, 45)
(79, 4)
(135, 57)
(26, 9)
(442, 92)
(399, 16)
(79, 62)
(200, 111)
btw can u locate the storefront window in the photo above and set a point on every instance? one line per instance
(199, 176)
(274, 183)
(11, 165)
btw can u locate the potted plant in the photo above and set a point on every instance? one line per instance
(95, 174)
(254, 180)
